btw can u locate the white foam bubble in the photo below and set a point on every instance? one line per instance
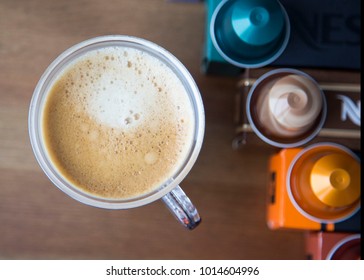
(151, 157)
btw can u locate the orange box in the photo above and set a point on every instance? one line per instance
(283, 214)
(332, 245)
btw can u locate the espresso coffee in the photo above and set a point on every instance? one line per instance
(117, 123)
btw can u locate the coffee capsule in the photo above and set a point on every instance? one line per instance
(335, 180)
(320, 245)
(347, 249)
(250, 33)
(323, 182)
(293, 103)
(286, 108)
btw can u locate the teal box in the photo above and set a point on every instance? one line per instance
(213, 63)
(324, 34)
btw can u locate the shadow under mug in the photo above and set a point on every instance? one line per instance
(170, 191)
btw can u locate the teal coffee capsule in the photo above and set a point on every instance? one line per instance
(250, 33)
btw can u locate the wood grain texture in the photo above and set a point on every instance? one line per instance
(37, 221)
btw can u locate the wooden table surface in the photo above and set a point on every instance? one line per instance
(37, 221)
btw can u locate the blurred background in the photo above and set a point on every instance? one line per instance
(228, 186)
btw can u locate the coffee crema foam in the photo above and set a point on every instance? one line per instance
(118, 123)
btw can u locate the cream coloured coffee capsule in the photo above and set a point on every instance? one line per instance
(286, 108)
(295, 102)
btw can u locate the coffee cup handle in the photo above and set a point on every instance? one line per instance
(182, 208)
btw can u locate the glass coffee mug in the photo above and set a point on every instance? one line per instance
(150, 86)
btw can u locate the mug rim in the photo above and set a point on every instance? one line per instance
(52, 73)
